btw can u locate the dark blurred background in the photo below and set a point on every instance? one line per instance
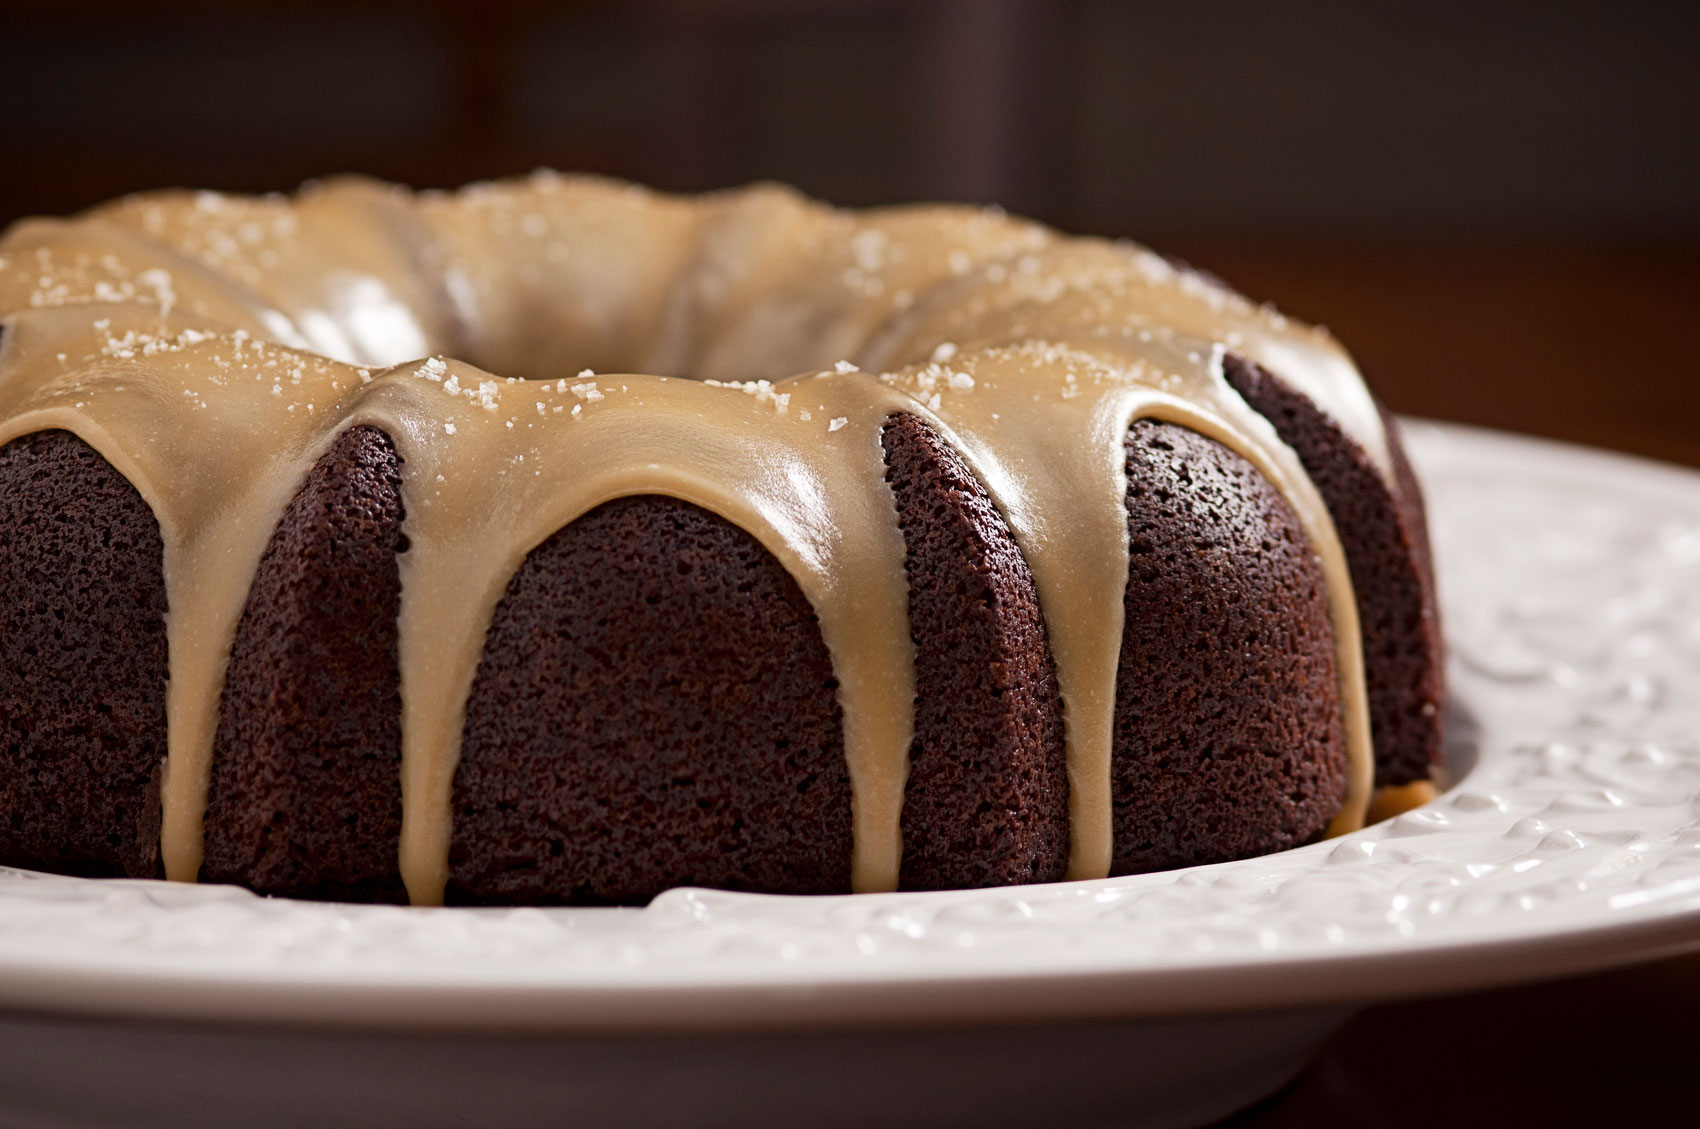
(1496, 205)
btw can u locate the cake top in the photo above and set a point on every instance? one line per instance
(535, 348)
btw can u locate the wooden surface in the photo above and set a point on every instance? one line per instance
(1616, 1049)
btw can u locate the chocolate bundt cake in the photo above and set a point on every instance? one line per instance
(949, 551)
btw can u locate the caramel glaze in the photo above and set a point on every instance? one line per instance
(211, 348)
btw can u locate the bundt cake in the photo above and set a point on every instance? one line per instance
(948, 551)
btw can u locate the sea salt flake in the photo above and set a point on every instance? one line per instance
(160, 281)
(837, 422)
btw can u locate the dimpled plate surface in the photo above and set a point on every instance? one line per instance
(1569, 840)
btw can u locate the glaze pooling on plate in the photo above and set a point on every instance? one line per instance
(1572, 840)
(168, 331)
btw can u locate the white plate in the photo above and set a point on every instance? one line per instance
(1571, 594)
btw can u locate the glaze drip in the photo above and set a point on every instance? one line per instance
(211, 348)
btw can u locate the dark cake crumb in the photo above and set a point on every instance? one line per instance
(83, 663)
(1385, 536)
(987, 798)
(1228, 735)
(654, 708)
(305, 795)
